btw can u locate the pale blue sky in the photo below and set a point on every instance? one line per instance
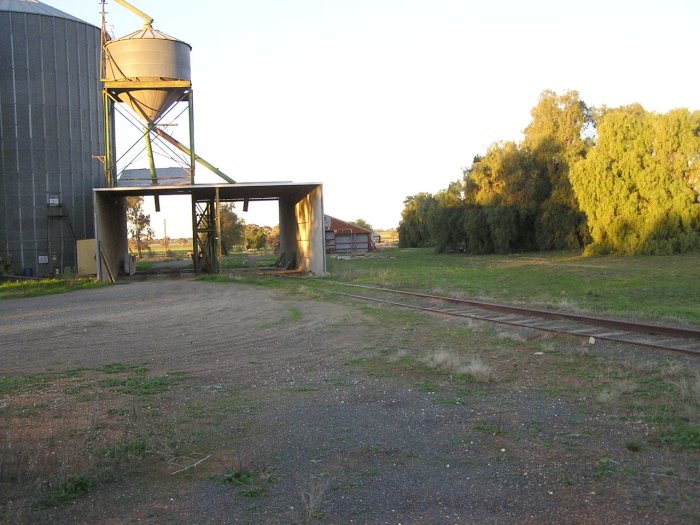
(381, 99)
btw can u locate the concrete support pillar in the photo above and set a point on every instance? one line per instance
(310, 233)
(288, 231)
(112, 247)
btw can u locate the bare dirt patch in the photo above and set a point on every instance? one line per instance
(177, 401)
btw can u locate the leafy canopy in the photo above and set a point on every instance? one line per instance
(621, 180)
(638, 185)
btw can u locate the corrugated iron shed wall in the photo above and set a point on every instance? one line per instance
(346, 242)
(346, 237)
(50, 127)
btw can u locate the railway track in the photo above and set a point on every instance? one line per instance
(660, 337)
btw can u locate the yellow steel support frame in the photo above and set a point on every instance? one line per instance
(110, 95)
(205, 224)
(110, 163)
(111, 91)
(217, 231)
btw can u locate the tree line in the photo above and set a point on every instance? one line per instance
(619, 180)
(235, 233)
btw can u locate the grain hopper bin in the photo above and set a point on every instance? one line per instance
(143, 57)
(147, 71)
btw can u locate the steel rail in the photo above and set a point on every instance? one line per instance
(633, 328)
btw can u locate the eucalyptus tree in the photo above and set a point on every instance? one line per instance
(139, 223)
(232, 227)
(414, 228)
(639, 184)
(558, 136)
(446, 219)
(502, 198)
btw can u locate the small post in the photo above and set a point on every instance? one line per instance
(218, 233)
(190, 103)
(195, 241)
(110, 163)
(149, 152)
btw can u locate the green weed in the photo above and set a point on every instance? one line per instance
(447, 401)
(12, 385)
(253, 491)
(140, 385)
(136, 448)
(684, 435)
(252, 484)
(239, 477)
(23, 384)
(633, 446)
(605, 467)
(116, 368)
(111, 383)
(147, 386)
(488, 428)
(426, 385)
(74, 487)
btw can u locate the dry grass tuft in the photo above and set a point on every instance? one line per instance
(511, 335)
(479, 371)
(443, 360)
(452, 363)
(615, 391)
(689, 395)
(673, 370)
(567, 304)
(397, 356)
(644, 366)
(312, 499)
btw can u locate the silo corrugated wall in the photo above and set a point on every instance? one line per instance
(50, 129)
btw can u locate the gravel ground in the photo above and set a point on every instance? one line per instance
(332, 440)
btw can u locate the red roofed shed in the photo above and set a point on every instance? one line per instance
(345, 237)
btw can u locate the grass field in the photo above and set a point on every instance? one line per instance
(33, 288)
(655, 288)
(660, 288)
(179, 251)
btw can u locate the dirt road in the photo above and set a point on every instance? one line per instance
(306, 411)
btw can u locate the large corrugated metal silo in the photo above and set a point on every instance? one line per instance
(50, 128)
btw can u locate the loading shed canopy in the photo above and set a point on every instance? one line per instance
(300, 220)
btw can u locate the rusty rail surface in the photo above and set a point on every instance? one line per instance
(661, 337)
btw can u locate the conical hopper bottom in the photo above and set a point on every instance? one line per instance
(150, 104)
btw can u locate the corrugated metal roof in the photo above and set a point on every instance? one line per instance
(333, 224)
(227, 192)
(142, 177)
(35, 7)
(148, 33)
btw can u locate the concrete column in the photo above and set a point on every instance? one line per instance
(288, 229)
(111, 234)
(310, 232)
